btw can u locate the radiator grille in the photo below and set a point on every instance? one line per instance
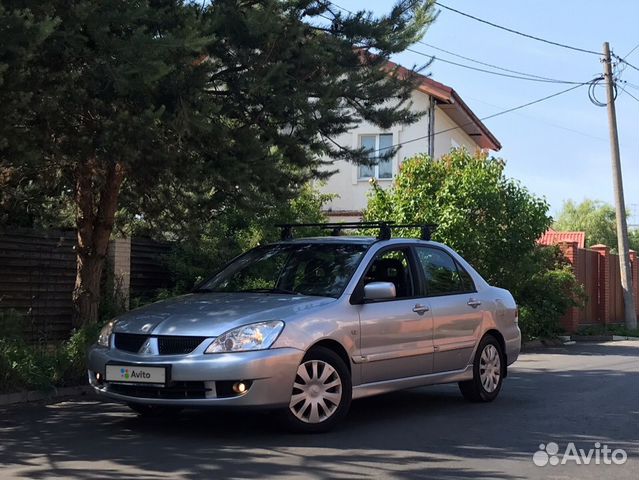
(167, 345)
(129, 342)
(178, 345)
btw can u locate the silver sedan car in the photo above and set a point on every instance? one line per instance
(307, 325)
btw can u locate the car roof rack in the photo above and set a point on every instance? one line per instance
(385, 228)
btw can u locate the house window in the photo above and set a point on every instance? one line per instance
(377, 146)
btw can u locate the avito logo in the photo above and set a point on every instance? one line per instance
(548, 454)
(126, 374)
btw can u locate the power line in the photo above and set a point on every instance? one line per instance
(517, 74)
(516, 32)
(624, 61)
(503, 112)
(626, 91)
(546, 122)
(491, 65)
(499, 74)
(630, 52)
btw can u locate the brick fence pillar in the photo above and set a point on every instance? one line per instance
(635, 279)
(571, 319)
(603, 286)
(120, 261)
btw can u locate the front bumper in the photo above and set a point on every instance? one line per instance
(271, 374)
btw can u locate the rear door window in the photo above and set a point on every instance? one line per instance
(441, 273)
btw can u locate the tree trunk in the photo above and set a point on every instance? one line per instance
(94, 222)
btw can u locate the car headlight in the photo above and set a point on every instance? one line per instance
(256, 336)
(105, 334)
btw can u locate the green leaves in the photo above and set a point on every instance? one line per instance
(491, 220)
(214, 106)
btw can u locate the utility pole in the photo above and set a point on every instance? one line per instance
(622, 226)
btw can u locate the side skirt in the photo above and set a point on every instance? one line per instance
(376, 388)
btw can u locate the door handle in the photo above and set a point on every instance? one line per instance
(474, 303)
(420, 308)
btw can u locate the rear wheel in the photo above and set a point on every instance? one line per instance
(321, 394)
(488, 372)
(149, 411)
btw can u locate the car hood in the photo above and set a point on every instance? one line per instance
(211, 314)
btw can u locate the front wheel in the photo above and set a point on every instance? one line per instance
(322, 392)
(488, 372)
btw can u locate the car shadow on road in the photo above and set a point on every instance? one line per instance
(421, 433)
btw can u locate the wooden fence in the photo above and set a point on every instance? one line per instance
(37, 275)
(598, 271)
(149, 272)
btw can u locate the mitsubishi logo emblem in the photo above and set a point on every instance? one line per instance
(147, 347)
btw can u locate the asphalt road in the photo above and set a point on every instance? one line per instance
(580, 393)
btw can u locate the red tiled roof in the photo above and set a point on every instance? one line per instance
(552, 237)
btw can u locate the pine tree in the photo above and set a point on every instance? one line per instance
(172, 106)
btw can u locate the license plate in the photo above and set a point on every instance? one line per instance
(135, 374)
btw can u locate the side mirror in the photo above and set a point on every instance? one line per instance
(379, 291)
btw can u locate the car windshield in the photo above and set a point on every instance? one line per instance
(305, 269)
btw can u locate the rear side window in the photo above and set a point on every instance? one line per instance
(442, 273)
(467, 283)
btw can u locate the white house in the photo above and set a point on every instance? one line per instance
(448, 123)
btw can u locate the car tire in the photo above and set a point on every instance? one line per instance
(321, 395)
(489, 369)
(154, 411)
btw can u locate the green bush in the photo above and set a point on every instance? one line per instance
(610, 329)
(546, 295)
(545, 298)
(25, 366)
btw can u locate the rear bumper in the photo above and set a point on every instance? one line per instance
(271, 374)
(513, 346)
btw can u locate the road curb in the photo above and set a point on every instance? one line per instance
(36, 396)
(543, 343)
(601, 338)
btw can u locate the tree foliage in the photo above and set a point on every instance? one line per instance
(492, 221)
(176, 110)
(198, 256)
(597, 219)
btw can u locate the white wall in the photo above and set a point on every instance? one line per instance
(352, 191)
(451, 139)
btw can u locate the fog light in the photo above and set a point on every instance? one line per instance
(239, 387)
(98, 377)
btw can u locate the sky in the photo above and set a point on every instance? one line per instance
(559, 149)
